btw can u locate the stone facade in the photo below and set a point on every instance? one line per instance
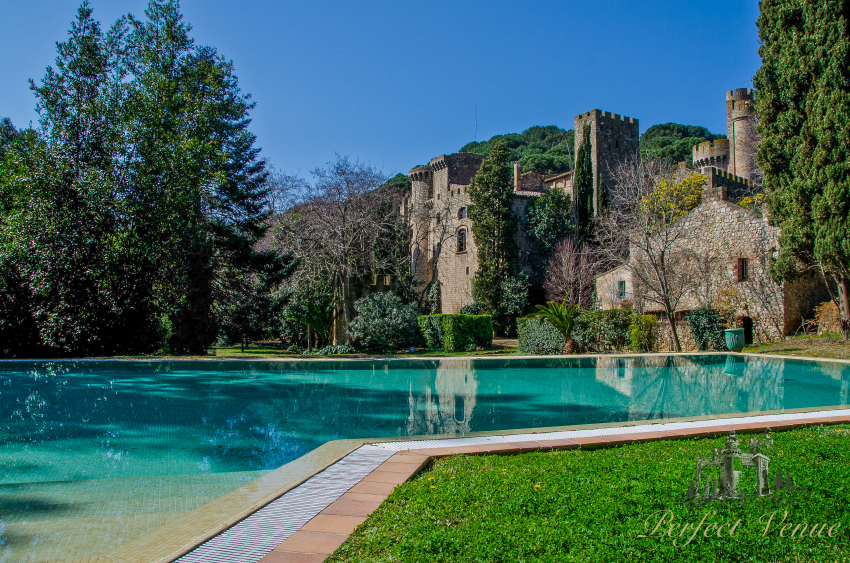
(443, 245)
(443, 248)
(735, 245)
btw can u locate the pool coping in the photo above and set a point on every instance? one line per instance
(316, 540)
(192, 529)
(420, 358)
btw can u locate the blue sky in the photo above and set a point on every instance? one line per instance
(397, 83)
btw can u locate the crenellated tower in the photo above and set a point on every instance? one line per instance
(741, 121)
(421, 194)
(712, 153)
(613, 138)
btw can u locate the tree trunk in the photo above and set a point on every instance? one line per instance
(242, 341)
(671, 318)
(309, 339)
(346, 307)
(843, 283)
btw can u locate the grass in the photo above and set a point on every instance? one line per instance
(592, 505)
(270, 352)
(826, 346)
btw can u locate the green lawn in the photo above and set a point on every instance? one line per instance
(259, 351)
(583, 506)
(828, 346)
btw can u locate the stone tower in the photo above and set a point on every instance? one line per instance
(421, 193)
(741, 120)
(613, 138)
(712, 153)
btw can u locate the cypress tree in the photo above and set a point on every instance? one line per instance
(803, 102)
(494, 227)
(583, 187)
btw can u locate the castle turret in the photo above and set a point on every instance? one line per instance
(741, 120)
(712, 153)
(421, 194)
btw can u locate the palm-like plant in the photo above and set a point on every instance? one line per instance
(319, 319)
(563, 318)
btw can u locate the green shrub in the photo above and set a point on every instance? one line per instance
(603, 331)
(455, 333)
(471, 309)
(383, 322)
(538, 336)
(707, 326)
(643, 332)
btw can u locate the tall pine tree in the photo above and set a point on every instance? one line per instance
(494, 228)
(803, 100)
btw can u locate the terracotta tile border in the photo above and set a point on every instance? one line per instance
(322, 535)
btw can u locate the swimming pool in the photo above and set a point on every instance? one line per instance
(97, 453)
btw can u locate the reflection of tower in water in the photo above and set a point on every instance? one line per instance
(446, 403)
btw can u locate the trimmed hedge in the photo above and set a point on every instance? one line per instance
(603, 331)
(538, 336)
(454, 333)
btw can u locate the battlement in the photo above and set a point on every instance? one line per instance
(740, 94)
(607, 115)
(419, 173)
(723, 185)
(711, 153)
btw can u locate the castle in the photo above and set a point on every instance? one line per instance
(443, 249)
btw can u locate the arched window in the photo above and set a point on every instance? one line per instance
(461, 213)
(461, 240)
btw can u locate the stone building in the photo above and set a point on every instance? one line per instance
(732, 243)
(443, 249)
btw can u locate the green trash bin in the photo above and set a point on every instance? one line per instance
(734, 339)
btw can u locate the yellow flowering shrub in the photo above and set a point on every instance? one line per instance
(752, 202)
(671, 200)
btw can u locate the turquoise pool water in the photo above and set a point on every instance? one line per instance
(95, 453)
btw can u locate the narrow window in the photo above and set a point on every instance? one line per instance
(461, 213)
(467, 270)
(438, 218)
(621, 289)
(461, 240)
(742, 269)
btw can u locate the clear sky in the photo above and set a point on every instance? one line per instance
(396, 83)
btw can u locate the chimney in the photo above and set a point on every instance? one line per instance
(517, 179)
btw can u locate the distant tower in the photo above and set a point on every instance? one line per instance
(712, 153)
(613, 138)
(421, 193)
(741, 120)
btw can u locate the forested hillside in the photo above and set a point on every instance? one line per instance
(549, 149)
(545, 149)
(674, 141)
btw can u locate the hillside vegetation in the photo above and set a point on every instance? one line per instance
(548, 149)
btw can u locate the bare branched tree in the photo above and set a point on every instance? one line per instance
(333, 227)
(435, 227)
(570, 273)
(642, 231)
(283, 190)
